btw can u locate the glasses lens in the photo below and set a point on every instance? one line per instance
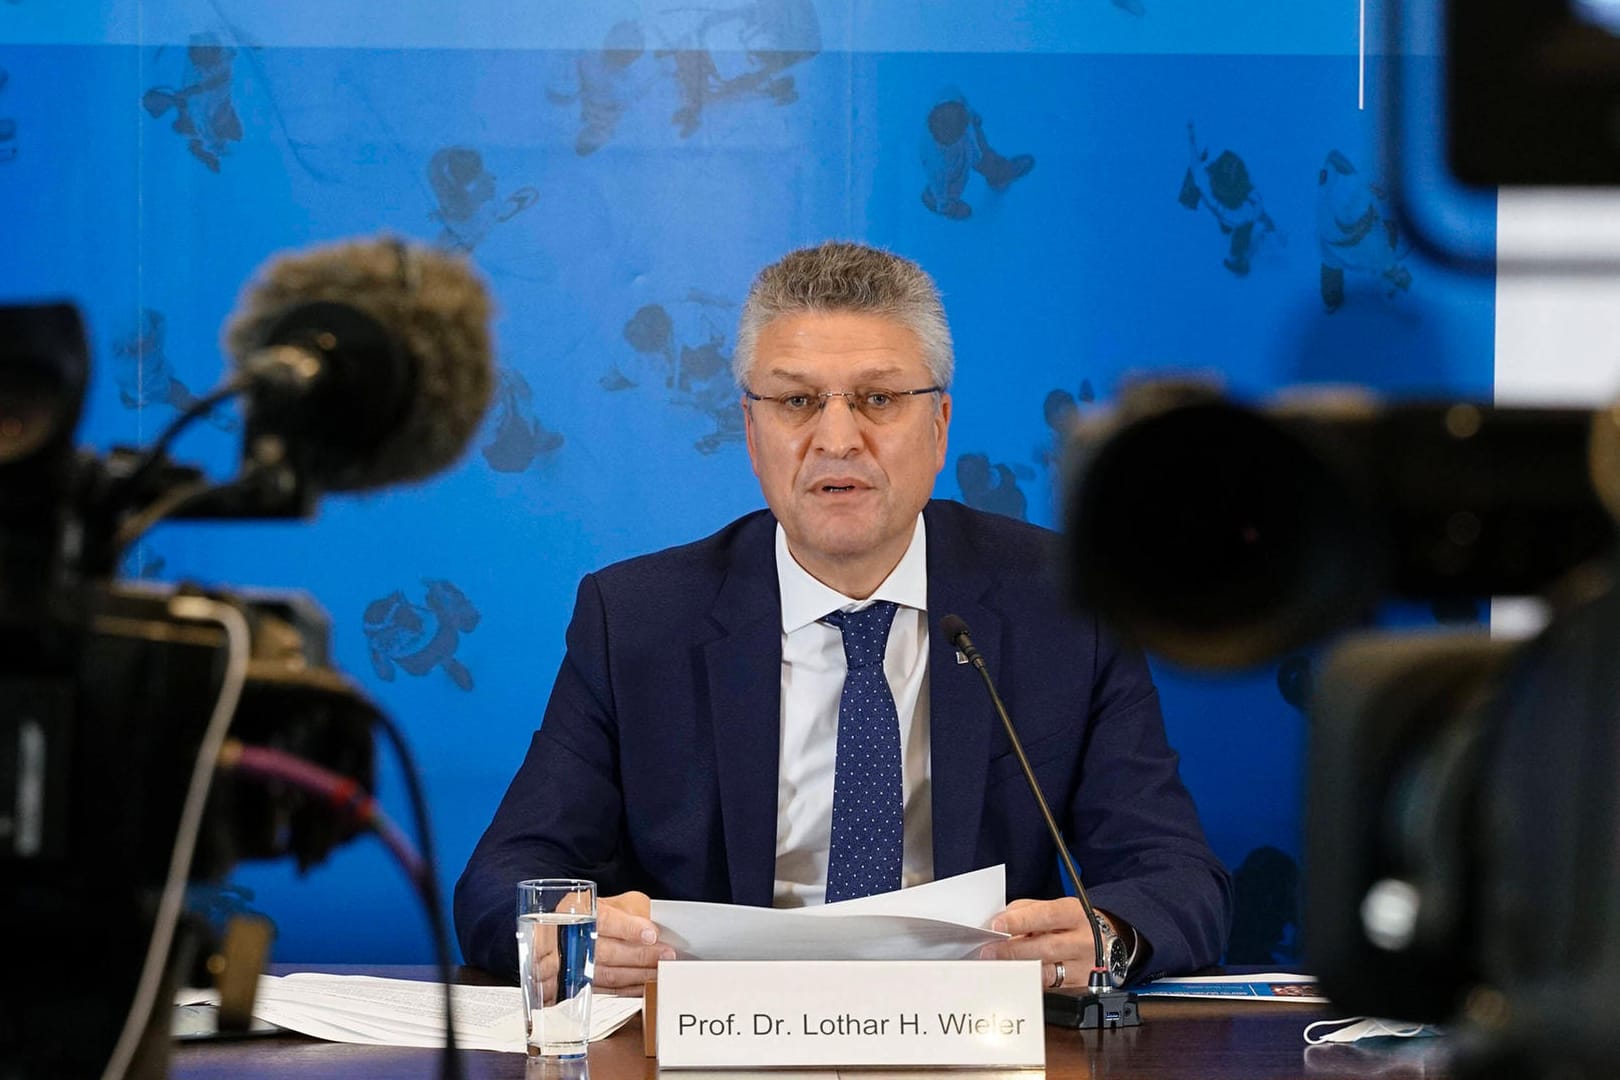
(876, 405)
(795, 408)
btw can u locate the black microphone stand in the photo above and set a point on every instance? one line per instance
(1102, 1005)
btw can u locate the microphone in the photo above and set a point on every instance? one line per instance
(1102, 1005)
(366, 363)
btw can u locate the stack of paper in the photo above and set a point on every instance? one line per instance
(942, 920)
(404, 1012)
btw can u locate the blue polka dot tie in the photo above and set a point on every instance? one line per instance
(868, 819)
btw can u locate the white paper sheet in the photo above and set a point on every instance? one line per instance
(942, 920)
(405, 1012)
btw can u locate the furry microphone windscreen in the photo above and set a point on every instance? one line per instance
(436, 311)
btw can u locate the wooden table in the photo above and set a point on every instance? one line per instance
(1207, 1040)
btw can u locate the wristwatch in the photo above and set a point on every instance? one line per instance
(1115, 953)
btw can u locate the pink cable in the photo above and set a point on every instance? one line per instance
(342, 792)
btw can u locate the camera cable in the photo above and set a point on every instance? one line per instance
(237, 641)
(345, 794)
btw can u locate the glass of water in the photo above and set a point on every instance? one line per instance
(556, 934)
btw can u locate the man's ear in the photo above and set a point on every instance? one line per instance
(942, 428)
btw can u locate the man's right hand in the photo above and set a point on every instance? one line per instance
(627, 946)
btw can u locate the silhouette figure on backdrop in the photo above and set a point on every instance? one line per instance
(146, 378)
(8, 126)
(519, 436)
(651, 333)
(204, 88)
(770, 36)
(990, 487)
(1223, 185)
(955, 147)
(1060, 410)
(1357, 232)
(420, 637)
(204, 112)
(704, 383)
(711, 56)
(465, 191)
(606, 83)
(695, 373)
(1265, 918)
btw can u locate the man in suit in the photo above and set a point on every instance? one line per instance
(772, 715)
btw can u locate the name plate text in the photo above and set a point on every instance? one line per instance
(763, 1014)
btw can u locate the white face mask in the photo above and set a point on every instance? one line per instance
(1353, 1028)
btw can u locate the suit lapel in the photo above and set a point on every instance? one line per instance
(960, 715)
(744, 673)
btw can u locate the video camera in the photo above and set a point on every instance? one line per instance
(1459, 852)
(358, 365)
(1461, 863)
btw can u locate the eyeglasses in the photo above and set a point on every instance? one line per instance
(796, 408)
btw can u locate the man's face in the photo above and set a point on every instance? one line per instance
(846, 489)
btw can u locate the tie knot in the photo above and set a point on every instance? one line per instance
(866, 632)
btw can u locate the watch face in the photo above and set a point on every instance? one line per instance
(1115, 954)
(1118, 961)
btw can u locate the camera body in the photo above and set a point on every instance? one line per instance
(105, 696)
(1460, 852)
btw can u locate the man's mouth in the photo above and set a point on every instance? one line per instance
(839, 486)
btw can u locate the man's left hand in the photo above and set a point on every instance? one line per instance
(1049, 931)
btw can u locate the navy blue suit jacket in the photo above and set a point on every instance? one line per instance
(655, 765)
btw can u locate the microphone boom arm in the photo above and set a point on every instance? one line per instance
(1102, 1002)
(963, 642)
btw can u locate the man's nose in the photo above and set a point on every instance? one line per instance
(837, 429)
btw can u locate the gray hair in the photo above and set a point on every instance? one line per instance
(841, 276)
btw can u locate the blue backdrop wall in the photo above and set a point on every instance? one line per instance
(1101, 188)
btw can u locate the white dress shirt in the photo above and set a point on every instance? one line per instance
(813, 669)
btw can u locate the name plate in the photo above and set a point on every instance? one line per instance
(762, 1014)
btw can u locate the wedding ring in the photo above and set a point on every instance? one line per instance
(1057, 977)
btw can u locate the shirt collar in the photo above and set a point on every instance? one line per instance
(805, 600)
